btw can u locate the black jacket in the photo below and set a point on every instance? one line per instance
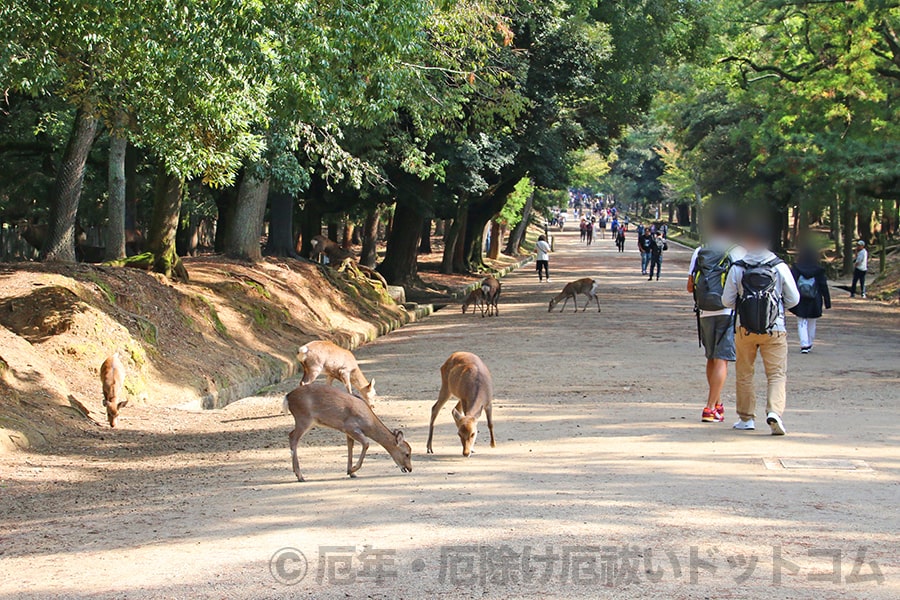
(657, 247)
(811, 308)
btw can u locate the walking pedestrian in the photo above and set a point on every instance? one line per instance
(657, 248)
(543, 258)
(710, 264)
(813, 287)
(759, 287)
(620, 238)
(860, 269)
(645, 242)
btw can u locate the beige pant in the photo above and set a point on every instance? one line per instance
(774, 351)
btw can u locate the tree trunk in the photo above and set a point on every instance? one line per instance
(115, 226)
(311, 217)
(452, 240)
(226, 201)
(164, 225)
(356, 237)
(187, 239)
(515, 239)
(460, 264)
(132, 161)
(425, 241)
(369, 253)
(332, 231)
(848, 222)
(440, 227)
(835, 224)
(347, 235)
(281, 226)
(479, 213)
(60, 243)
(249, 213)
(494, 251)
(864, 222)
(400, 266)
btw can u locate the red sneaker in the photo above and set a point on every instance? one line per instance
(709, 415)
(720, 413)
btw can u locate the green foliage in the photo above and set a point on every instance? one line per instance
(512, 210)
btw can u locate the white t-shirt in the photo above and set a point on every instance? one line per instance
(862, 260)
(785, 286)
(543, 250)
(736, 253)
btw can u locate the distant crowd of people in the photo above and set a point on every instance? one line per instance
(741, 292)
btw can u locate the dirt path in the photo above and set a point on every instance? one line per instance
(602, 474)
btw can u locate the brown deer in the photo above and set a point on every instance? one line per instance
(475, 299)
(586, 286)
(336, 255)
(465, 376)
(332, 407)
(337, 363)
(112, 376)
(491, 288)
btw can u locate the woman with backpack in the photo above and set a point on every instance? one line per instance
(814, 294)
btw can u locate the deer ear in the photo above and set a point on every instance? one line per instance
(372, 387)
(398, 435)
(122, 404)
(456, 415)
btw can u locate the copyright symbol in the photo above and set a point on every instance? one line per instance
(288, 566)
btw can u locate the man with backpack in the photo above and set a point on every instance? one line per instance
(709, 269)
(657, 247)
(760, 287)
(645, 242)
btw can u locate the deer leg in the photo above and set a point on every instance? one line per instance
(345, 379)
(443, 396)
(364, 442)
(490, 421)
(564, 304)
(575, 302)
(597, 298)
(300, 429)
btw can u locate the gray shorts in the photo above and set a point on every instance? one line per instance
(717, 335)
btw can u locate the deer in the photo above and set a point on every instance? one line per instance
(474, 299)
(112, 376)
(586, 286)
(337, 363)
(336, 255)
(465, 376)
(332, 407)
(491, 288)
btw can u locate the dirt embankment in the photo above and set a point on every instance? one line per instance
(232, 330)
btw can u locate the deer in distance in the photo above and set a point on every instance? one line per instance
(112, 377)
(586, 286)
(337, 363)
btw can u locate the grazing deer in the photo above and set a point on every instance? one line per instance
(586, 286)
(465, 376)
(112, 376)
(336, 255)
(491, 288)
(474, 299)
(337, 363)
(332, 407)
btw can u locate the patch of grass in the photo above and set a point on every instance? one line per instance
(217, 323)
(260, 288)
(104, 287)
(137, 354)
(259, 317)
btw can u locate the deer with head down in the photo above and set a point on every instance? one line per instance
(336, 255)
(465, 376)
(337, 363)
(112, 376)
(332, 407)
(586, 286)
(475, 299)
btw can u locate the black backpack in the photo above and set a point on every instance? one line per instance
(759, 306)
(710, 271)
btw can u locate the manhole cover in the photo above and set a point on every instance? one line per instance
(829, 464)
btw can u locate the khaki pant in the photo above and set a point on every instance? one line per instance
(774, 351)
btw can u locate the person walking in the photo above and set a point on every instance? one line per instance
(620, 238)
(760, 287)
(709, 267)
(657, 248)
(860, 269)
(813, 287)
(589, 231)
(645, 242)
(543, 258)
